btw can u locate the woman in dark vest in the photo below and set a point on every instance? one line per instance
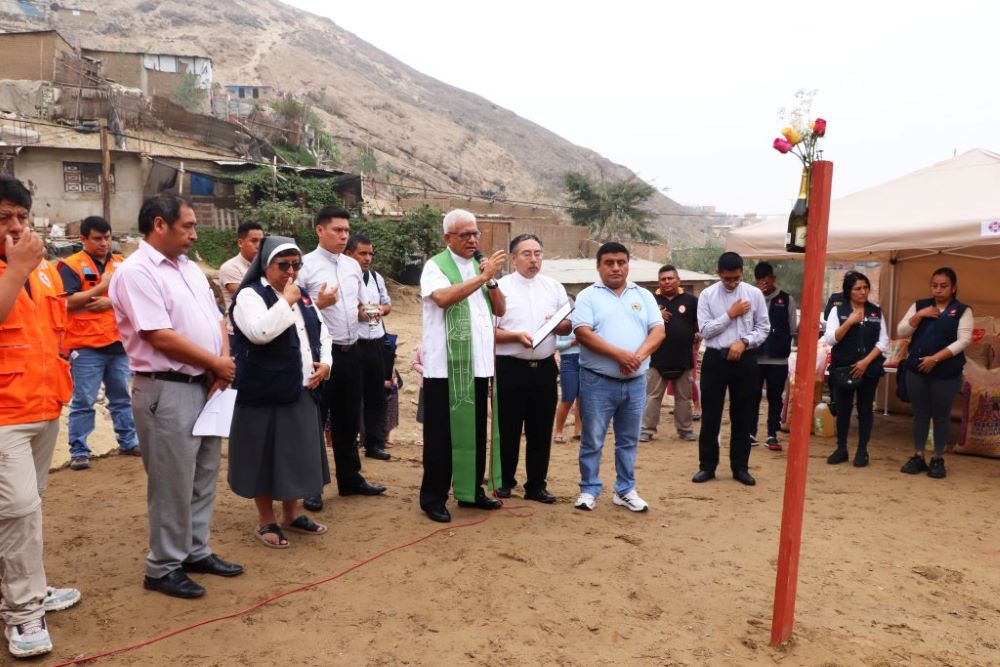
(282, 351)
(941, 329)
(856, 330)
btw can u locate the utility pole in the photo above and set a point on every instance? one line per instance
(105, 171)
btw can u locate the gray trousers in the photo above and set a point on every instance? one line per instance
(656, 386)
(181, 471)
(25, 457)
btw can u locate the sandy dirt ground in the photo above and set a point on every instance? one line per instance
(895, 570)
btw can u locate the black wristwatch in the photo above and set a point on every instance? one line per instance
(492, 283)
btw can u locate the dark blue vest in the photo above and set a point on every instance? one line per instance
(271, 374)
(933, 335)
(778, 344)
(860, 339)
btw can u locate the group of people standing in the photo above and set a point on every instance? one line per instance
(304, 343)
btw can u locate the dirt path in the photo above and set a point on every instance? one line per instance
(895, 569)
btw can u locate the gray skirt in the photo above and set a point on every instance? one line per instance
(278, 450)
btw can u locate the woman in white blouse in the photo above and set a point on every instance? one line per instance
(282, 351)
(941, 329)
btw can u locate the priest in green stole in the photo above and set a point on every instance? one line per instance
(460, 299)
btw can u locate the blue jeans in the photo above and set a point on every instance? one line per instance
(604, 401)
(89, 368)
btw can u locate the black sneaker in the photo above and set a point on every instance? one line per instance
(773, 444)
(860, 458)
(838, 456)
(916, 465)
(936, 469)
(753, 440)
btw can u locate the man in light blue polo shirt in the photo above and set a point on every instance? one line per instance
(618, 326)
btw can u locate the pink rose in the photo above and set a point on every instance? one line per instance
(782, 145)
(819, 127)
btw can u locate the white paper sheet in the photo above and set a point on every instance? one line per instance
(217, 415)
(550, 324)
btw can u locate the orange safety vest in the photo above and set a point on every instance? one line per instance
(85, 329)
(34, 380)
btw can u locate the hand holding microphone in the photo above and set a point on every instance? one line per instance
(488, 266)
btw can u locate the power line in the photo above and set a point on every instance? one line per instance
(208, 155)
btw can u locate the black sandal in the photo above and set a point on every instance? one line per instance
(303, 524)
(272, 529)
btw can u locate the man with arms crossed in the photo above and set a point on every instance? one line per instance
(95, 349)
(175, 340)
(526, 375)
(673, 360)
(618, 325)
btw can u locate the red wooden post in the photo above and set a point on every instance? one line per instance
(802, 404)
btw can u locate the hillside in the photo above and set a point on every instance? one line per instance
(422, 131)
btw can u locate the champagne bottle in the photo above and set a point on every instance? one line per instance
(795, 235)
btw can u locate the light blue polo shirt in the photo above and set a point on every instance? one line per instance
(624, 321)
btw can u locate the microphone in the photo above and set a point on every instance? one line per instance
(478, 256)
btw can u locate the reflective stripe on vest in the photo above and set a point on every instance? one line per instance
(34, 379)
(85, 329)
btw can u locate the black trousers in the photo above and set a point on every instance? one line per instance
(437, 440)
(527, 396)
(864, 396)
(342, 402)
(772, 377)
(740, 379)
(373, 377)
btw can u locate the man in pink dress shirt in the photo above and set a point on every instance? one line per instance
(174, 337)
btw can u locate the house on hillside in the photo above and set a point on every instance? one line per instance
(153, 73)
(72, 18)
(251, 92)
(33, 55)
(576, 274)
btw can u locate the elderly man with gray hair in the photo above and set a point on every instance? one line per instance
(460, 298)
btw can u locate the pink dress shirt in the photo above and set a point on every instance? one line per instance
(150, 292)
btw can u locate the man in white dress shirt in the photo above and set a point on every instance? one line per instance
(372, 347)
(334, 282)
(527, 374)
(458, 365)
(732, 317)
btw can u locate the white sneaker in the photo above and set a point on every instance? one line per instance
(57, 599)
(631, 500)
(28, 639)
(586, 501)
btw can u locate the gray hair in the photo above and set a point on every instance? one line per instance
(456, 216)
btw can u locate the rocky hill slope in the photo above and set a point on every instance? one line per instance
(422, 131)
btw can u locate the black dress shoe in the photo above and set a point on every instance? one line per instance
(744, 477)
(363, 489)
(379, 454)
(703, 476)
(482, 502)
(175, 584)
(213, 565)
(439, 514)
(838, 456)
(503, 492)
(542, 496)
(313, 503)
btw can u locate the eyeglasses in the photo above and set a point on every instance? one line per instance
(284, 266)
(531, 254)
(465, 236)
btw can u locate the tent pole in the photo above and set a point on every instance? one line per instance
(790, 542)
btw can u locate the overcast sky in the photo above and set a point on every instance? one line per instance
(686, 93)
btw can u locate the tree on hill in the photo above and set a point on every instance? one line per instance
(610, 211)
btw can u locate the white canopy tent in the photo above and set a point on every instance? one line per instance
(947, 214)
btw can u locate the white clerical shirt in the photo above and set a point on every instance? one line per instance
(435, 332)
(322, 266)
(529, 302)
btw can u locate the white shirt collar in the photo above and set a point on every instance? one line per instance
(461, 261)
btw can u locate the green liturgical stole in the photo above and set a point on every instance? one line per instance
(462, 392)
